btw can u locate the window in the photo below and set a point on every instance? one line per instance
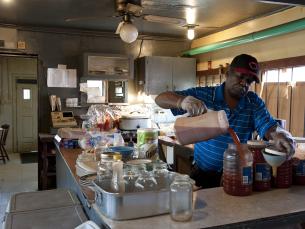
(298, 74)
(96, 91)
(26, 94)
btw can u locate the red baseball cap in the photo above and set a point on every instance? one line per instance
(246, 64)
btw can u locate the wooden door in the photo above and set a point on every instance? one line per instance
(26, 117)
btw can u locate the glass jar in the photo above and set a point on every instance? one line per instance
(237, 170)
(261, 169)
(161, 174)
(104, 167)
(181, 197)
(130, 175)
(146, 182)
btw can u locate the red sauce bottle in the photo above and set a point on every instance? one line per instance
(283, 178)
(261, 170)
(298, 167)
(237, 171)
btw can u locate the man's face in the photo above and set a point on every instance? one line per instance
(238, 83)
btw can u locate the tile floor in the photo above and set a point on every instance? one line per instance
(15, 177)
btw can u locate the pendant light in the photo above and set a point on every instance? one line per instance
(127, 31)
(190, 20)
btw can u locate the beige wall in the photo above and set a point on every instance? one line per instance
(289, 45)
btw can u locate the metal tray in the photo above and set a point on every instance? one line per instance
(59, 218)
(132, 205)
(26, 201)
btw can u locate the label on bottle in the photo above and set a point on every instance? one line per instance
(300, 169)
(247, 175)
(262, 172)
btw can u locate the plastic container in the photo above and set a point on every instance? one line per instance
(190, 130)
(147, 142)
(237, 171)
(261, 169)
(181, 196)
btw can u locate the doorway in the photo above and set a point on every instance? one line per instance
(17, 72)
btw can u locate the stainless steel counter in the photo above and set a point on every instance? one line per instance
(213, 208)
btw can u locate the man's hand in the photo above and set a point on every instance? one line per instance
(192, 106)
(283, 141)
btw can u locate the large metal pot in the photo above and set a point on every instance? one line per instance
(134, 122)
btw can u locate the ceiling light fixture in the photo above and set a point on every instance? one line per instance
(190, 20)
(190, 33)
(128, 32)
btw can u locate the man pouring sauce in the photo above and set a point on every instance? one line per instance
(245, 111)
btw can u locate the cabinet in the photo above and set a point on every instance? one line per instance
(156, 74)
(46, 162)
(107, 66)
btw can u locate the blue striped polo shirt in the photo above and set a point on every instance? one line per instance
(250, 114)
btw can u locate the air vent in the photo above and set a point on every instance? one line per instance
(1, 43)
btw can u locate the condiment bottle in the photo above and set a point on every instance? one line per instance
(283, 177)
(298, 165)
(261, 169)
(181, 197)
(190, 130)
(237, 170)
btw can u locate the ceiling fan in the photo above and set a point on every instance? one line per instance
(133, 8)
(128, 9)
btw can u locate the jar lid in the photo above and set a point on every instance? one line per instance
(109, 154)
(117, 157)
(256, 143)
(139, 161)
(274, 152)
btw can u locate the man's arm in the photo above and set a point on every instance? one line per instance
(283, 140)
(172, 100)
(169, 100)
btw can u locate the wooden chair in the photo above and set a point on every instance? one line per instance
(5, 129)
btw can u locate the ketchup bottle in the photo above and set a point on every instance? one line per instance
(261, 170)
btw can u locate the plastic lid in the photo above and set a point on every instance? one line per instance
(256, 143)
(117, 157)
(274, 152)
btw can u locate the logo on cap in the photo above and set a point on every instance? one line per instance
(253, 66)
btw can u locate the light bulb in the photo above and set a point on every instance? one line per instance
(128, 32)
(190, 33)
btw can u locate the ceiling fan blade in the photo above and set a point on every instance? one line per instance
(166, 20)
(72, 19)
(118, 29)
(284, 2)
(136, 10)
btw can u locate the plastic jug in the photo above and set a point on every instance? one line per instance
(190, 130)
